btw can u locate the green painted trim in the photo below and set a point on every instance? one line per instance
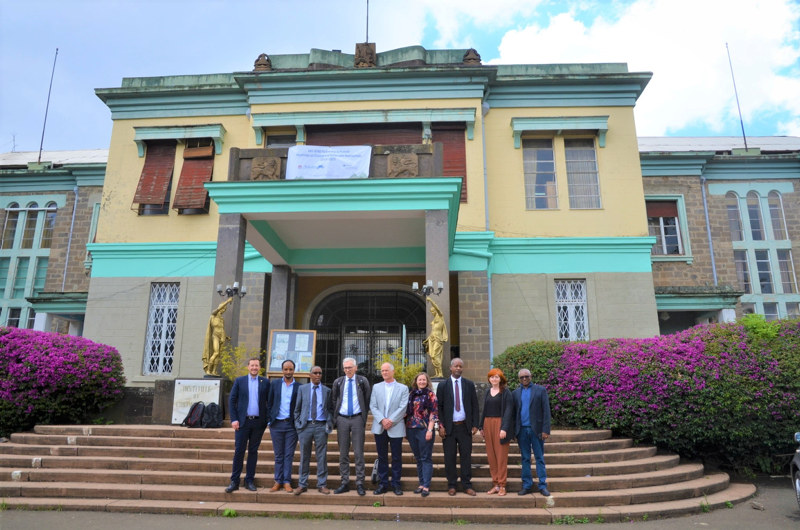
(566, 255)
(215, 131)
(743, 188)
(367, 256)
(671, 165)
(590, 90)
(60, 307)
(141, 103)
(471, 251)
(353, 271)
(683, 223)
(24, 200)
(599, 124)
(272, 238)
(302, 119)
(753, 168)
(676, 302)
(415, 194)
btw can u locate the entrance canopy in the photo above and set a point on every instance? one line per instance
(328, 227)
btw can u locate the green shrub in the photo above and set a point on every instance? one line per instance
(53, 378)
(404, 372)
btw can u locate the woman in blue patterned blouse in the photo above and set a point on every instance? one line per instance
(421, 419)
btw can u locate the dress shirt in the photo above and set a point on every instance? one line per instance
(345, 392)
(252, 393)
(318, 414)
(389, 387)
(458, 415)
(286, 400)
(525, 408)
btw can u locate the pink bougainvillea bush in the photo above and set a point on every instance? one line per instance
(53, 378)
(727, 393)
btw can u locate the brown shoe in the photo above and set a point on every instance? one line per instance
(470, 492)
(275, 487)
(324, 490)
(288, 488)
(451, 492)
(299, 490)
(502, 492)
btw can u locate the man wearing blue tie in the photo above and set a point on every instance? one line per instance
(313, 419)
(351, 394)
(248, 410)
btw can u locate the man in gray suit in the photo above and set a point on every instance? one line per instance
(388, 406)
(313, 419)
(351, 394)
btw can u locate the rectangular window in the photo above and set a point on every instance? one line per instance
(31, 318)
(764, 271)
(792, 309)
(49, 226)
(540, 174)
(572, 320)
(582, 175)
(786, 267)
(29, 233)
(734, 222)
(20, 278)
(161, 327)
(662, 222)
(41, 275)
(754, 213)
(742, 270)
(770, 311)
(13, 316)
(10, 228)
(748, 308)
(5, 264)
(152, 192)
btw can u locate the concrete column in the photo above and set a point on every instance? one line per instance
(228, 267)
(279, 298)
(727, 315)
(437, 269)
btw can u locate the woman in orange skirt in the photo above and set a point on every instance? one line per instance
(497, 428)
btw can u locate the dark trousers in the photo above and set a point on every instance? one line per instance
(423, 451)
(248, 437)
(284, 442)
(382, 445)
(459, 439)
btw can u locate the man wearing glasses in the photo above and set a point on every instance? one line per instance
(313, 419)
(351, 395)
(532, 411)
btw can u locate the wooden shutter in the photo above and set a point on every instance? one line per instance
(454, 153)
(191, 192)
(662, 209)
(156, 174)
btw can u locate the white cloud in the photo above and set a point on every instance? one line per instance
(683, 43)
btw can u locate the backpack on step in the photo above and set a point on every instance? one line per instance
(195, 415)
(212, 416)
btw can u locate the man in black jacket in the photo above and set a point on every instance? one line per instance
(458, 421)
(249, 416)
(351, 395)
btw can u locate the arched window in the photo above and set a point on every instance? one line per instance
(49, 225)
(31, 216)
(734, 219)
(754, 213)
(776, 215)
(10, 225)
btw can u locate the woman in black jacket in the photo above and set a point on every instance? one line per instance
(497, 428)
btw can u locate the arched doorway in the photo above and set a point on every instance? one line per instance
(365, 324)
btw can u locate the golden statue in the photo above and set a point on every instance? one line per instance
(434, 344)
(215, 338)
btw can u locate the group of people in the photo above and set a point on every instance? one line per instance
(308, 413)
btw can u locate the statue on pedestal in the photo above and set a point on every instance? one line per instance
(215, 338)
(434, 344)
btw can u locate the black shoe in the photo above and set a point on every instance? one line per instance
(344, 488)
(545, 492)
(381, 490)
(360, 489)
(398, 490)
(233, 487)
(525, 491)
(248, 484)
(425, 493)
(418, 490)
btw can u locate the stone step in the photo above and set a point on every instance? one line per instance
(216, 472)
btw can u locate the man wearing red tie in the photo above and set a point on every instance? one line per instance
(458, 421)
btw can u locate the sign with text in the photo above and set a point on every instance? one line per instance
(294, 344)
(323, 162)
(188, 391)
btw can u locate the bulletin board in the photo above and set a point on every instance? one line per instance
(297, 345)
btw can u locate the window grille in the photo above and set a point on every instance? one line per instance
(571, 311)
(161, 328)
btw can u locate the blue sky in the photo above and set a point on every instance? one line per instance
(682, 42)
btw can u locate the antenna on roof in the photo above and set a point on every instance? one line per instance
(47, 107)
(736, 93)
(367, 39)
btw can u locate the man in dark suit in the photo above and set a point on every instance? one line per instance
(351, 395)
(281, 402)
(249, 417)
(313, 419)
(458, 421)
(532, 412)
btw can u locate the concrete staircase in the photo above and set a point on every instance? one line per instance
(166, 469)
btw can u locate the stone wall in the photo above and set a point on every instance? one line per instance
(473, 318)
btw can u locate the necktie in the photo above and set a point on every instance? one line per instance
(458, 398)
(350, 397)
(314, 402)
